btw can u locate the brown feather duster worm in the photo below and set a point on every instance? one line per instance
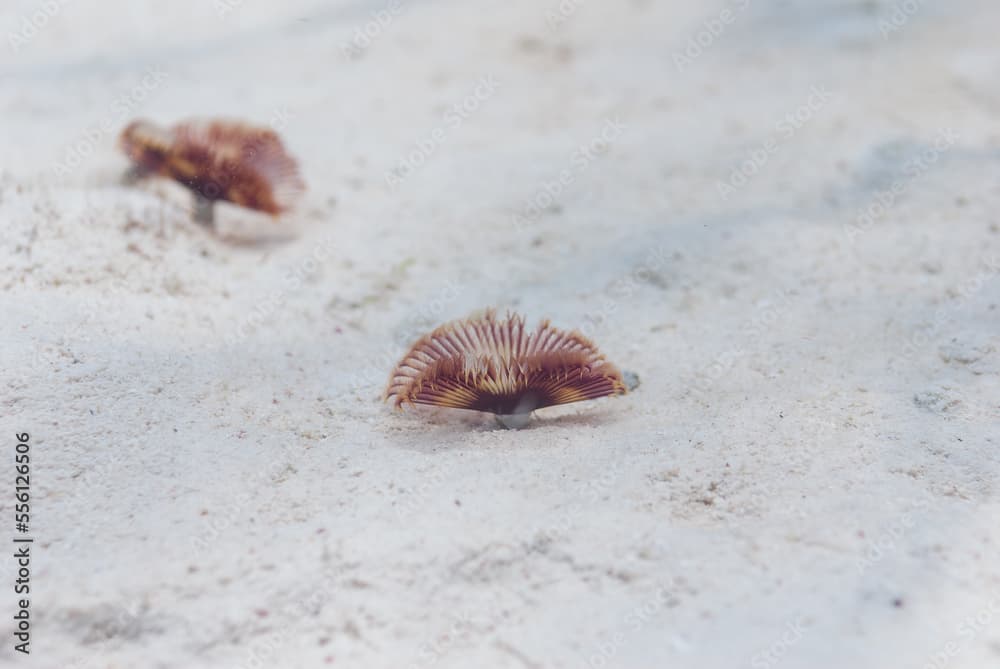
(217, 160)
(499, 366)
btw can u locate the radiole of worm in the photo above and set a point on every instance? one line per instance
(217, 160)
(498, 365)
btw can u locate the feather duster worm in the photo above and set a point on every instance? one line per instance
(499, 366)
(217, 160)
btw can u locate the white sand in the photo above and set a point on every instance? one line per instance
(807, 476)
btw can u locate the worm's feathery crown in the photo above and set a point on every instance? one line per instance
(146, 144)
(497, 365)
(220, 160)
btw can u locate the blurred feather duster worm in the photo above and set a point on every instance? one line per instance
(497, 365)
(217, 160)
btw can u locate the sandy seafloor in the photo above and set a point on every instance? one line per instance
(806, 477)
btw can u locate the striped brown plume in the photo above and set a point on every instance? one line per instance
(219, 160)
(497, 365)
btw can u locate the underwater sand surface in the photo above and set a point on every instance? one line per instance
(782, 218)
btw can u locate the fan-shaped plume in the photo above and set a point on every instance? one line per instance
(218, 160)
(497, 365)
